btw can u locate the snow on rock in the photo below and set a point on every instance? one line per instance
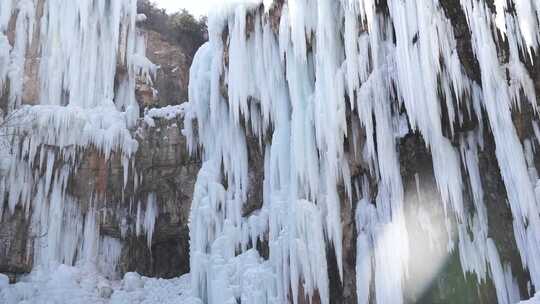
(132, 281)
(141, 17)
(167, 113)
(104, 290)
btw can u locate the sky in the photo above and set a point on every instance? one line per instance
(195, 7)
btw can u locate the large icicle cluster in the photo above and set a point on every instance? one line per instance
(308, 84)
(90, 58)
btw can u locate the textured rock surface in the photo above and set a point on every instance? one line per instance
(15, 257)
(165, 169)
(172, 77)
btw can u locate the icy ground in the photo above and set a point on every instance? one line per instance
(66, 284)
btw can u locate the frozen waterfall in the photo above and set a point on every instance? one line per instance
(328, 92)
(83, 46)
(301, 76)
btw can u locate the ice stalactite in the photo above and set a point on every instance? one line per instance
(150, 216)
(91, 57)
(305, 85)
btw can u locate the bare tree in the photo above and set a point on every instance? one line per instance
(11, 124)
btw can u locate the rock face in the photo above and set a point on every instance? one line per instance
(172, 77)
(15, 256)
(164, 169)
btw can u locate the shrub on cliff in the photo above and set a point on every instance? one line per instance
(181, 27)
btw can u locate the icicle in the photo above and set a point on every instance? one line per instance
(150, 217)
(365, 217)
(109, 255)
(138, 221)
(497, 101)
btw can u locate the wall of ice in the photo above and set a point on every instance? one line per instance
(325, 84)
(90, 58)
(327, 89)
